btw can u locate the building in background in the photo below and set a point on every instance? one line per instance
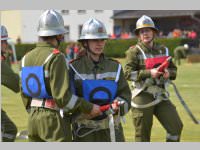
(165, 20)
(22, 24)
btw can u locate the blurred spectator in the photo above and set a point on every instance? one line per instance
(18, 40)
(113, 36)
(70, 51)
(192, 34)
(125, 35)
(177, 33)
(76, 50)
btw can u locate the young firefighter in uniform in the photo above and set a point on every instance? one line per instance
(99, 80)
(150, 96)
(45, 83)
(11, 81)
(180, 52)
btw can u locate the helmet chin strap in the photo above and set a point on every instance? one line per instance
(59, 40)
(90, 52)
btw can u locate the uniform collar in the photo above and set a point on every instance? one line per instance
(90, 64)
(144, 47)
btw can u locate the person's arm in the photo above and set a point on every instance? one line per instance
(133, 70)
(123, 94)
(9, 78)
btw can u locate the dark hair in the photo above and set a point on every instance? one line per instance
(46, 38)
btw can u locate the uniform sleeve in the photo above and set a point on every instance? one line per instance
(172, 71)
(59, 84)
(124, 94)
(132, 67)
(9, 78)
(25, 99)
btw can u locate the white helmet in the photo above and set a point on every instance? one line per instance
(4, 33)
(186, 46)
(145, 22)
(93, 29)
(51, 23)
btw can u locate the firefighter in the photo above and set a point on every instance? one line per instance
(180, 52)
(11, 81)
(150, 96)
(99, 80)
(45, 84)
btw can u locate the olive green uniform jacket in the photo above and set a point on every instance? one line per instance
(11, 81)
(46, 124)
(165, 111)
(105, 69)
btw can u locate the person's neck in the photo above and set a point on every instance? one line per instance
(94, 57)
(149, 45)
(52, 42)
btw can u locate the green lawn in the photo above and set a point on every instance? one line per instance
(188, 83)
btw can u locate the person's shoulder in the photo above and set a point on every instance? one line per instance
(132, 50)
(113, 61)
(75, 61)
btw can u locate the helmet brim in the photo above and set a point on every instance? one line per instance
(137, 30)
(92, 37)
(52, 32)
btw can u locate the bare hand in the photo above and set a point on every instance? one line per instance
(95, 111)
(155, 73)
(166, 74)
(115, 105)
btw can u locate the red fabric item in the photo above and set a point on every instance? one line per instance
(151, 63)
(50, 103)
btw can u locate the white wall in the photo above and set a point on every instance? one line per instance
(73, 19)
(29, 25)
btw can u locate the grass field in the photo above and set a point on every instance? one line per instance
(188, 83)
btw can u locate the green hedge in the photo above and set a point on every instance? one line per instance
(116, 47)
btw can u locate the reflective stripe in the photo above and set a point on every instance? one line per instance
(118, 73)
(141, 51)
(145, 56)
(48, 58)
(114, 75)
(112, 128)
(48, 103)
(23, 60)
(106, 75)
(134, 75)
(98, 76)
(167, 51)
(77, 74)
(125, 104)
(172, 137)
(145, 105)
(46, 73)
(71, 103)
(9, 136)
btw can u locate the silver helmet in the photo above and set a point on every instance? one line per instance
(51, 23)
(145, 22)
(4, 33)
(93, 29)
